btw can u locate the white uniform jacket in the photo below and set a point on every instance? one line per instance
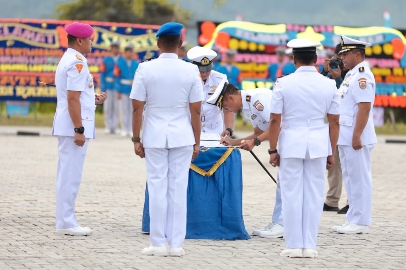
(211, 116)
(167, 85)
(256, 105)
(304, 98)
(73, 74)
(358, 86)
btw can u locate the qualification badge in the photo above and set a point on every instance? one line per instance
(362, 83)
(258, 106)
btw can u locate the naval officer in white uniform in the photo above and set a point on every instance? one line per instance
(256, 106)
(301, 101)
(172, 92)
(211, 116)
(357, 135)
(73, 124)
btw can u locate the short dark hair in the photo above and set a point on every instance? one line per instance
(71, 39)
(231, 89)
(338, 49)
(361, 51)
(305, 58)
(169, 41)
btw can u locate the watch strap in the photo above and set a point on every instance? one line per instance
(230, 130)
(136, 139)
(272, 151)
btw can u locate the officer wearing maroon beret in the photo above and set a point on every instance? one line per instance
(73, 124)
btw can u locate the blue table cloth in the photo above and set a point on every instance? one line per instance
(214, 197)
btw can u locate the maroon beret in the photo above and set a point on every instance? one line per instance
(79, 30)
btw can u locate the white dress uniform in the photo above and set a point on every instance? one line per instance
(211, 116)
(167, 85)
(358, 86)
(71, 74)
(303, 98)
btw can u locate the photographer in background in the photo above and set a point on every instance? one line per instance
(334, 69)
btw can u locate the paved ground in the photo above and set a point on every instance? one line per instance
(111, 198)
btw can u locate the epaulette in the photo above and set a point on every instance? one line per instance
(361, 69)
(149, 59)
(248, 98)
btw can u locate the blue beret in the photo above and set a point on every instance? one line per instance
(170, 29)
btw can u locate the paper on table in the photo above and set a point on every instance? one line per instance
(209, 136)
(211, 144)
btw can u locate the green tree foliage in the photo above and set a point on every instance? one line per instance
(129, 11)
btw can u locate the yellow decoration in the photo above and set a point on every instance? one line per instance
(233, 44)
(243, 44)
(44, 25)
(261, 47)
(394, 94)
(388, 49)
(368, 51)
(377, 49)
(215, 166)
(311, 35)
(252, 46)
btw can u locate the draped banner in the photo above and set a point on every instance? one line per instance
(30, 51)
(256, 44)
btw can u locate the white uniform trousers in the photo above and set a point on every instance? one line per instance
(69, 176)
(277, 216)
(126, 113)
(168, 173)
(357, 176)
(111, 111)
(302, 188)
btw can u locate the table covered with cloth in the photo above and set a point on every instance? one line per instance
(214, 196)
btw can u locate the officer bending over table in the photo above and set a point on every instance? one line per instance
(256, 105)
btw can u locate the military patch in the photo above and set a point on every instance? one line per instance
(258, 106)
(205, 61)
(248, 98)
(79, 67)
(79, 57)
(361, 69)
(362, 83)
(253, 116)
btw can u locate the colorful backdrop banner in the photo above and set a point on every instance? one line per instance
(31, 49)
(256, 44)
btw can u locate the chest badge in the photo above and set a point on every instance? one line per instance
(258, 106)
(253, 116)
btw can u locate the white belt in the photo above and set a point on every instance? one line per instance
(126, 82)
(109, 79)
(167, 110)
(302, 123)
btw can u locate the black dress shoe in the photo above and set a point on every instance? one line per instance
(343, 210)
(330, 208)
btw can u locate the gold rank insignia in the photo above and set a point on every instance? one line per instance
(91, 84)
(205, 61)
(258, 106)
(213, 88)
(361, 69)
(79, 57)
(253, 116)
(248, 98)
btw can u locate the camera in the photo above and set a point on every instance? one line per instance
(335, 63)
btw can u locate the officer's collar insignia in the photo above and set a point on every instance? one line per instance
(248, 98)
(205, 61)
(79, 57)
(361, 69)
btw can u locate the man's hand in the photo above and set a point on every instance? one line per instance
(196, 149)
(100, 98)
(227, 141)
(118, 95)
(247, 145)
(356, 143)
(79, 139)
(274, 160)
(139, 149)
(225, 133)
(334, 74)
(330, 162)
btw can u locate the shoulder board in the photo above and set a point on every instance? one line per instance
(79, 57)
(361, 69)
(149, 59)
(248, 98)
(284, 75)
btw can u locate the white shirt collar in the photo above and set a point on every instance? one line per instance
(306, 69)
(168, 55)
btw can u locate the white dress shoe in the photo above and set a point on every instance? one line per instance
(310, 253)
(123, 133)
(176, 252)
(276, 231)
(155, 251)
(292, 253)
(78, 231)
(257, 232)
(335, 228)
(353, 228)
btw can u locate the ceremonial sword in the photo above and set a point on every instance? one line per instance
(263, 167)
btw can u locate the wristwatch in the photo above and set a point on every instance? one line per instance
(136, 139)
(230, 130)
(79, 130)
(257, 142)
(272, 151)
